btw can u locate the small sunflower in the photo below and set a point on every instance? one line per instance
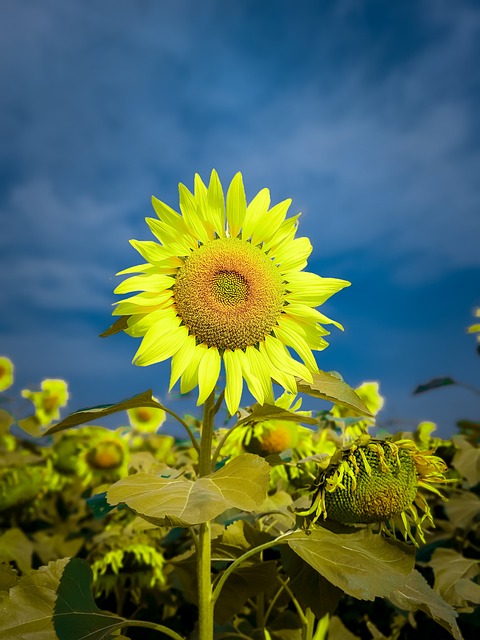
(6, 373)
(146, 419)
(379, 481)
(48, 401)
(225, 283)
(94, 454)
(353, 426)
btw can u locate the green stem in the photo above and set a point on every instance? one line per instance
(248, 554)
(151, 625)
(204, 571)
(185, 426)
(301, 615)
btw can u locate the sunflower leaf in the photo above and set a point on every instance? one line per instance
(415, 593)
(240, 484)
(362, 564)
(436, 383)
(82, 416)
(27, 610)
(119, 325)
(329, 387)
(76, 616)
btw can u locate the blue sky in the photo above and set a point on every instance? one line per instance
(365, 113)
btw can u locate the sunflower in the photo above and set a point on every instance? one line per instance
(225, 283)
(379, 481)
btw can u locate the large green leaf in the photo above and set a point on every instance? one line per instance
(362, 564)
(453, 577)
(26, 613)
(329, 387)
(82, 416)
(415, 593)
(76, 616)
(242, 483)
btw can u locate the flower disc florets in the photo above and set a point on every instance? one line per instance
(225, 285)
(229, 294)
(375, 481)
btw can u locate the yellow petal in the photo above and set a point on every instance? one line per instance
(189, 378)
(260, 368)
(215, 206)
(208, 372)
(310, 289)
(181, 243)
(293, 254)
(181, 359)
(234, 380)
(269, 224)
(193, 220)
(155, 254)
(255, 211)
(282, 360)
(152, 282)
(157, 347)
(236, 205)
(290, 333)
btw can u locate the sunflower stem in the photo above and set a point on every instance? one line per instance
(204, 572)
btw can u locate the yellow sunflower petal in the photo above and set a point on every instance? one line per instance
(290, 333)
(302, 311)
(260, 370)
(293, 254)
(208, 372)
(234, 380)
(155, 254)
(154, 283)
(255, 211)
(236, 205)
(308, 288)
(138, 325)
(142, 303)
(188, 207)
(181, 360)
(158, 345)
(189, 378)
(215, 207)
(269, 224)
(282, 360)
(181, 243)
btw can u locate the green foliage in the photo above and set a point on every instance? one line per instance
(100, 529)
(76, 616)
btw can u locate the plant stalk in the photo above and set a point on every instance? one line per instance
(204, 571)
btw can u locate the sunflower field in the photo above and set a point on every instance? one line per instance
(292, 516)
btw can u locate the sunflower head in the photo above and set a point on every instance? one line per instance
(146, 419)
(48, 401)
(272, 436)
(378, 481)
(6, 373)
(94, 454)
(224, 284)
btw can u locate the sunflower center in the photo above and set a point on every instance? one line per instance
(229, 294)
(229, 288)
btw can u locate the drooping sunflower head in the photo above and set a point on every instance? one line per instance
(225, 284)
(379, 481)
